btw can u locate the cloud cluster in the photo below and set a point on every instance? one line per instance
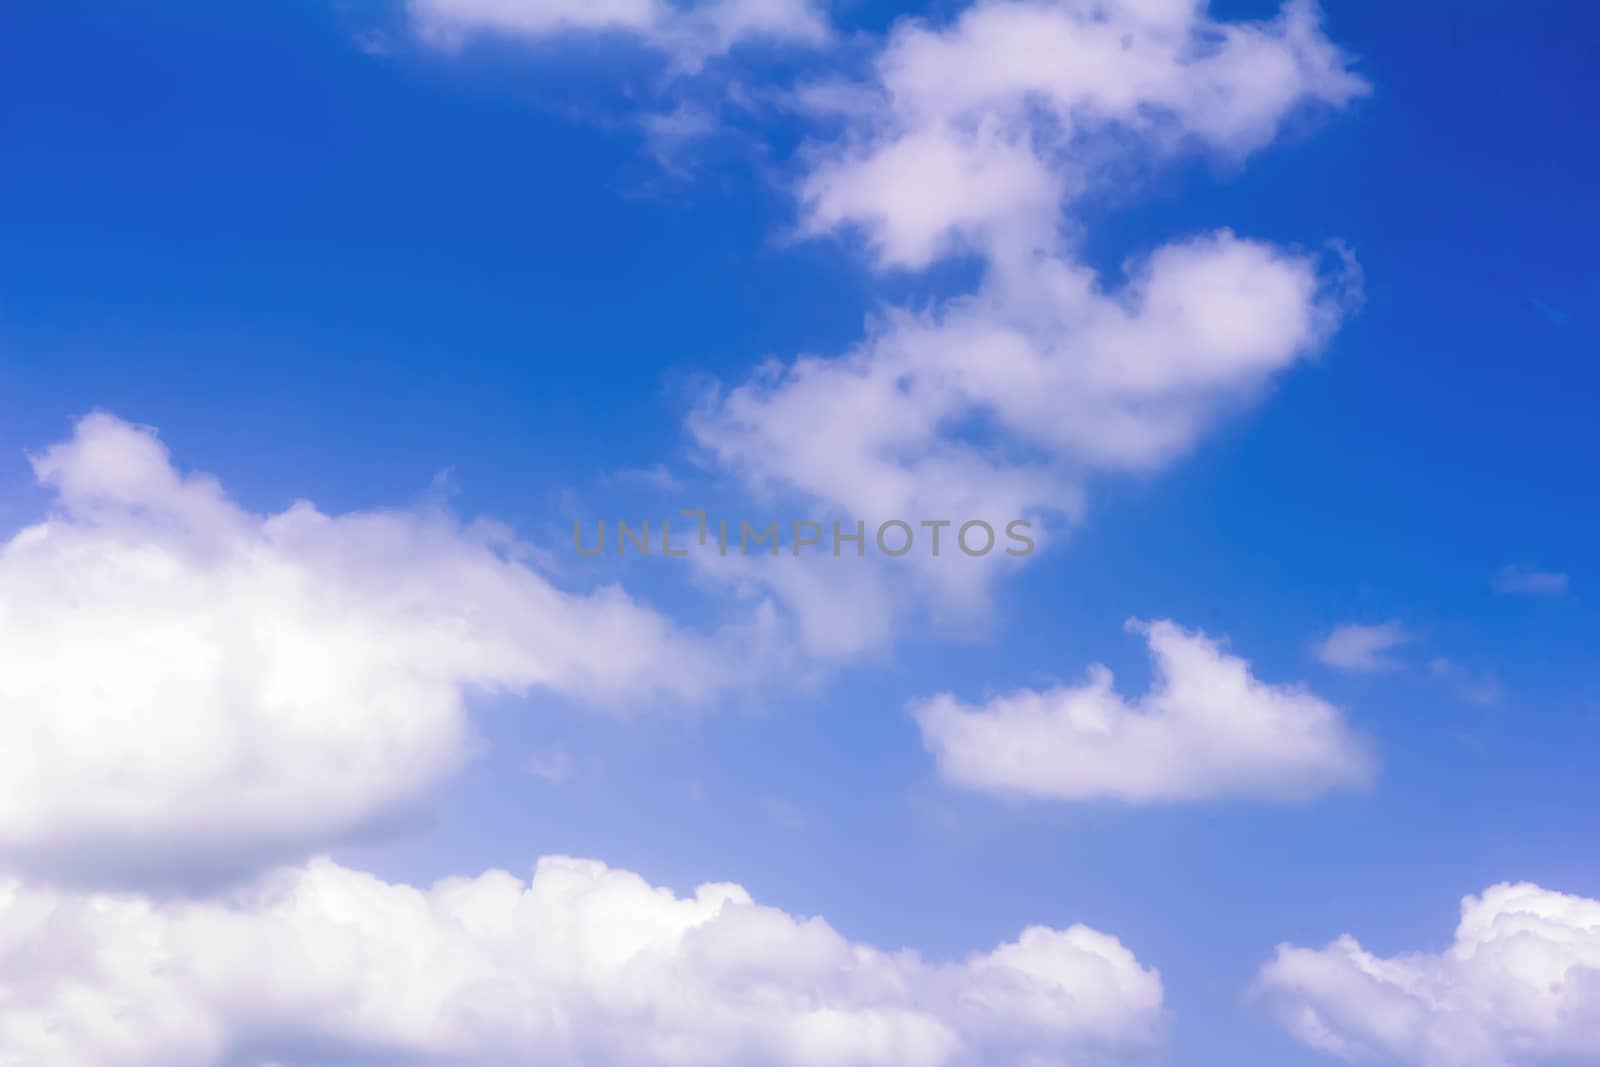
(1520, 984)
(583, 964)
(976, 138)
(179, 675)
(1207, 728)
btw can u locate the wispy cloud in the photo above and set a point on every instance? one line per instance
(1482, 690)
(658, 477)
(1522, 579)
(1553, 314)
(784, 813)
(553, 766)
(1354, 647)
(690, 35)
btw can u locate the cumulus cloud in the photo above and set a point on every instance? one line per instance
(1207, 728)
(1520, 984)
(179, 675)
(688, 33)
(1360, 648)
(583, 964)
(1521, 579)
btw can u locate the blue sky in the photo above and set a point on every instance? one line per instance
(328, 259)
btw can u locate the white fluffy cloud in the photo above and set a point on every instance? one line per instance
(1363, 649)
(582, 965)
(1071, 376)
(179, 675)
(1519, 985)
(688, 33)
(1206, 728)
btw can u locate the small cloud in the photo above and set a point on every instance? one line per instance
(657, 477)
(443, 487)
(1522, 579)
(668, 134)
(553, 766)
(1483, 691)
(1361, 648)
(374, 43)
